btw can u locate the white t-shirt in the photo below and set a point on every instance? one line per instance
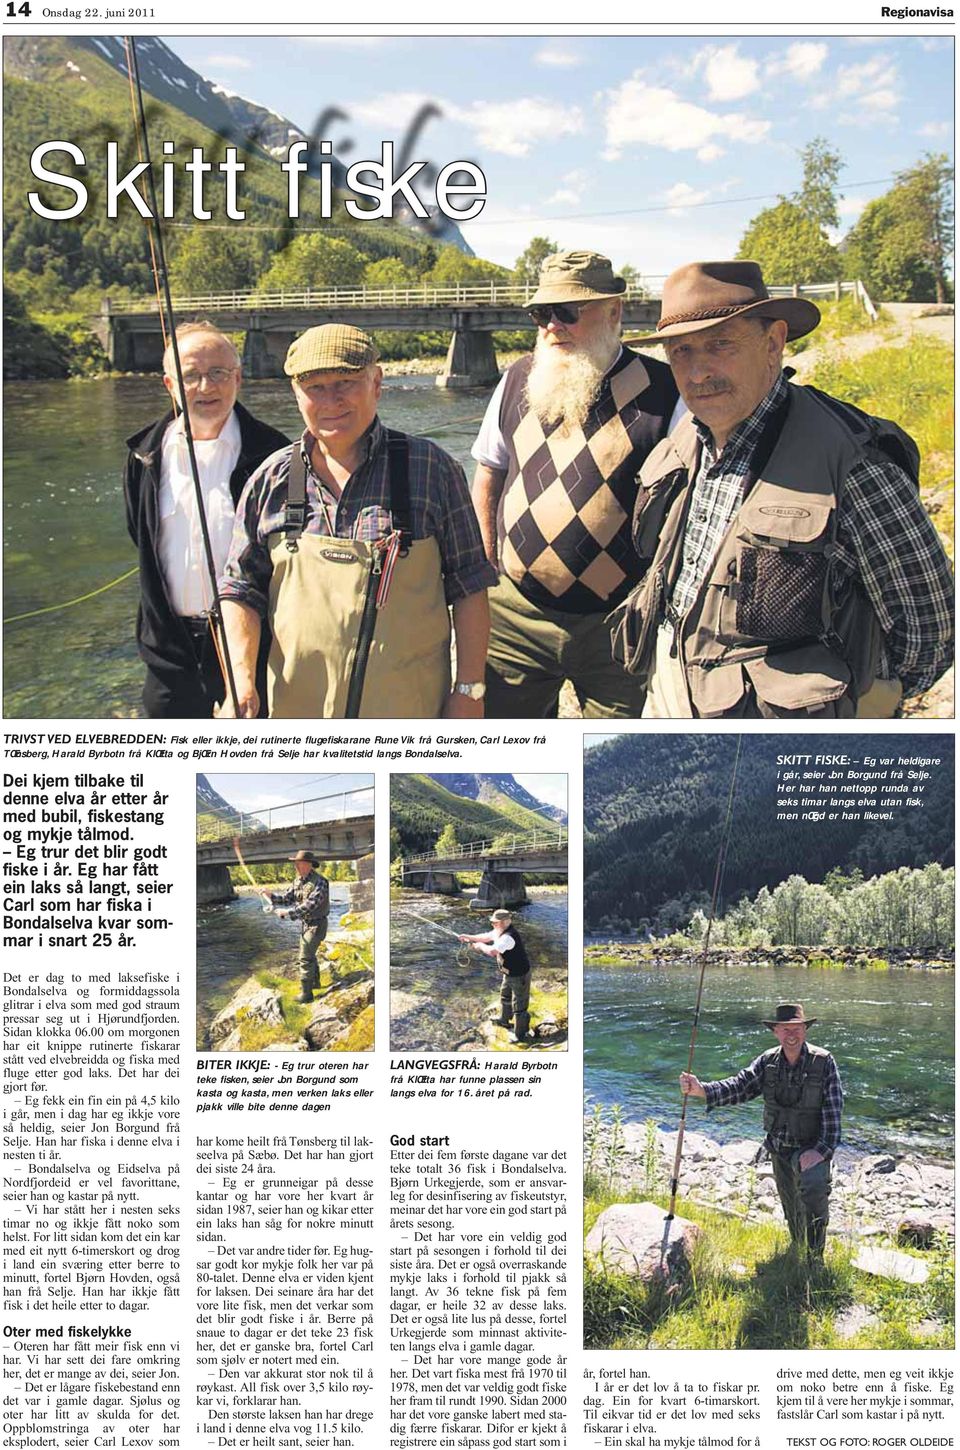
(179, 539)
(490, 448)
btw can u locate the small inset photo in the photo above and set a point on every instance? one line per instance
(285, 886)
(478, 912)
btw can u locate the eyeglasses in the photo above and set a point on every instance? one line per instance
(566, 312)
(216, 376)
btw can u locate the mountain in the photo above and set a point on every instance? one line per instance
(235, 119)
(213, 812)
(655, 805)
(421, 806)
(500, 791)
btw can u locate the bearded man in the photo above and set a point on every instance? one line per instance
(558, 455)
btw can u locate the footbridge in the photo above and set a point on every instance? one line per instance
(504, 863)
(131, 335)
(339, 828)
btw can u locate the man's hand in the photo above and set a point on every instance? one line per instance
(248, 700)
(282, 913)
(461, 707)
(691, 1086)
(809, 1158)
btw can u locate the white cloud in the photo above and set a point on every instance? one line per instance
(710, 152)
(682, 195)
(638, 114)
(729, 75)
(560, 59)
(873, 84)
(935, 129)
(851, 206)
(227, 62)
(801, 61)
(513, 128)
(570, 191)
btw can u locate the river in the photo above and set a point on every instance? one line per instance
(436, 1003)
(236, 938)
(64, 532)
(891, 1033)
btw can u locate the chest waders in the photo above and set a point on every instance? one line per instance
(360, 630)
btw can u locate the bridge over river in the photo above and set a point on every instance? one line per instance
(504, 862)
(131, 335)
(344, 832)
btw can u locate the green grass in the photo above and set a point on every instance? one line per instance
(350, 956)
(913, 385)
(838, 320)
(726, 1304)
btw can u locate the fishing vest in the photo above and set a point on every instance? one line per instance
(514, 960)
(304, 887)
(766, 618)
(563, 521)
(793, 1113)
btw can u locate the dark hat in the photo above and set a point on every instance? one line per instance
(576, 277)
(789, 1013)
(305, 856)
(334, 347)
(704, 294)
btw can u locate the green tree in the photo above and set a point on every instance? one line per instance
(526, 269)
(316, 262)
(216, 261)
(634, 279)
(447, 839)
(902, 243)
(389, 272)
(454, 266)
(818, 195)
(790, 247)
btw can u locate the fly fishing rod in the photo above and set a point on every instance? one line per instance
(160, 274)
(717, 881)
(461, 953)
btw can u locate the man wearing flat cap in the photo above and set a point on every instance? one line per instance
(557, 457)
(355, 545)
(306, 901)
(790, 568)
(802, 1107)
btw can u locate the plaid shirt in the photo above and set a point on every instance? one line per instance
(884, 538)
(748, 1084)
(440, 508)
(308, 899)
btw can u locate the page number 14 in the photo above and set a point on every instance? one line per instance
(23, 9)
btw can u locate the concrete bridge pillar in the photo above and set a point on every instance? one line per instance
(435, 883)
(361, 890)
(499, 889)
(471, 360)
(214, 884)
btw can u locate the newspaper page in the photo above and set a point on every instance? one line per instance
(416, 1038)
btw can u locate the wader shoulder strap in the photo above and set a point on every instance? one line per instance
(398, 466)
(295, 511)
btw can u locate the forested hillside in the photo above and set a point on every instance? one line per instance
(654, 807)
(421, 808)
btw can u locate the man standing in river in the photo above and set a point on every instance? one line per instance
(802, 1108)
(306, 901)
(184, 680)
(504, 944)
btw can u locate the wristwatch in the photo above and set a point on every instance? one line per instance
(474, 691)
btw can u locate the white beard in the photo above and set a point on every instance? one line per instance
(562, 386)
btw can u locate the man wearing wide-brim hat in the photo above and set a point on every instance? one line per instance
(306, 901)
(558, 455)
(356, 544)
(802, 1108)
(790, 568)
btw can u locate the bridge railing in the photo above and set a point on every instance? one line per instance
(474, 294)
(343, 805)
(513, 845)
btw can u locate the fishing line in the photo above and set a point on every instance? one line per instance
(717, 879)
(463, 952)
(267, 905)
(163, 281)
(69, 603)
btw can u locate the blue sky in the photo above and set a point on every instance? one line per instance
(646, 148)
(258, 790)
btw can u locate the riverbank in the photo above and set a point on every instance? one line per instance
(833, 958)
(887, 1281)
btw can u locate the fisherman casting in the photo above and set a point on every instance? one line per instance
(802, 1107)
(306, 901)
(505, 944)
